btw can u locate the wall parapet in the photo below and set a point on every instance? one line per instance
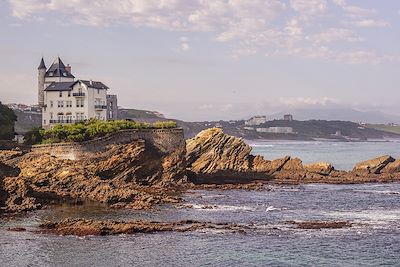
(165, 140)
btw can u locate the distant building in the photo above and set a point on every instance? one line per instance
(283, 130)
(256, 120)
(66, 100)
(288, 117)
(112, 107)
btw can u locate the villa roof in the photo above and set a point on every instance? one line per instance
(95, 84)
(60, 86)
(68, 86)
(57, 69)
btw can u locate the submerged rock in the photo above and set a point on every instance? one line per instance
(321, 224)
(82, 227)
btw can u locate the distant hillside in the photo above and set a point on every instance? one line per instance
(26, 120)
(384, 127)
(137, 114)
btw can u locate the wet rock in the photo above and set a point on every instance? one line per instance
(322, 168)
(83, 227)
(321, 224)
(374, 165)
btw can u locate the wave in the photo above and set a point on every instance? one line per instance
(383, 192)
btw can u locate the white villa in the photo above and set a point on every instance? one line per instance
(66, 100)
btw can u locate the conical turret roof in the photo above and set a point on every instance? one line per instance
(57, 69)
(42, 65)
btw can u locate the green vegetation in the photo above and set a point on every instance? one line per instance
(7, 122)
(386, 128)
(82, 131)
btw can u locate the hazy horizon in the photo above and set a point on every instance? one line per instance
(211, 60)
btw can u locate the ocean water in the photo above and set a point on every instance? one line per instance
(373, 241)
(343, 155)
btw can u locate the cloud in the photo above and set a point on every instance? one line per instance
(305, 101)
(248, 27)
(333, 35)
(372, 23)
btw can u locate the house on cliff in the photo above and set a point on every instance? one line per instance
(64, 99)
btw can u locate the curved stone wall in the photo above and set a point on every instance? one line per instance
(165, 140)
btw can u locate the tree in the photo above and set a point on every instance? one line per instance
(7, 122)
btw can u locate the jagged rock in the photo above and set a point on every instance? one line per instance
(322, 168)
(135, 175)
(293, 165)
(374, 165)
(393, 167)
(215, 157)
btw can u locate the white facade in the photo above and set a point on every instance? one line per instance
(286, 130)
(82, 102)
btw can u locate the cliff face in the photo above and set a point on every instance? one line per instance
(135, 175)
(214, 157)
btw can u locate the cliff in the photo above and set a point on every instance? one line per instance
(135, 174)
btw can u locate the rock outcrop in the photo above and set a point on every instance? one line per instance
(134, 175)
(374, 165)
(216, 158)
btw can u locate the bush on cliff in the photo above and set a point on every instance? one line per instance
(83, 131)
(7, 121)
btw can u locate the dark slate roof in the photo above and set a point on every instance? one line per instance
(58, 69)
(94, 84)
(60, 86)
(42, 65)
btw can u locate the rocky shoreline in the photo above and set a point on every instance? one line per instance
(139, 176)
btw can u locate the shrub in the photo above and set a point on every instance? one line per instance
(81, 131)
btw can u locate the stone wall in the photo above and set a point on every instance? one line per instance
(165, 140)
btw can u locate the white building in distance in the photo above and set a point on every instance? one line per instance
(66, 100)
(256, 120)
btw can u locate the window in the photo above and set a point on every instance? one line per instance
(60, 93)
(51, 115)
(98, 91)
(79, 103)
(68, 104)
(51, 104)
(69, 93)
(60, 104)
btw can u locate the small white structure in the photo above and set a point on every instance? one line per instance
(256, 120)
(285, 130)
(66, 100)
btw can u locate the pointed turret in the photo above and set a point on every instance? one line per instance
(58, 69)
(42, 65)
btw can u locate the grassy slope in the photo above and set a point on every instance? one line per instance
(385, 128)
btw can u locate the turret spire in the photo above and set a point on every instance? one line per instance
(42, 65)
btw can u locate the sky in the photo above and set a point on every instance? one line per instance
(210, 59)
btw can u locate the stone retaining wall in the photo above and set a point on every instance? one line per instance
(165, 140)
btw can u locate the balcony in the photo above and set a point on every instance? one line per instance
(100, 107)
(64, 121)
(79, 94)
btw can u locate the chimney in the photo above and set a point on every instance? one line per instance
(68, 68)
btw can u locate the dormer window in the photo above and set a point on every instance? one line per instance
(50, 73)
(65, 74)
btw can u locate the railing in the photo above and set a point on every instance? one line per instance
(100, 106)
(78, 94)
(64, 121)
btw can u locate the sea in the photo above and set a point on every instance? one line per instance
(374, 210)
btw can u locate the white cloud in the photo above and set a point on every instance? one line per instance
(372, 23)
(333, 35)
(302, 101)
(309, 7)
(248, 26)
(354, 11)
